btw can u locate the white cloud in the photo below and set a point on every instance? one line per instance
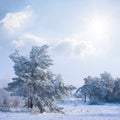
(26, 39)
(63, 47)
(75, 47)
(14, 21)
(88, 49)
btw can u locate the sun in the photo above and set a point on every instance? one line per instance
(98, 30)
(98, 26)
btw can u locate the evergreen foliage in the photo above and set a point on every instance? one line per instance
(34, 79)
(100, 89)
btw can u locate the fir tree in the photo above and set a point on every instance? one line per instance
(35, 81)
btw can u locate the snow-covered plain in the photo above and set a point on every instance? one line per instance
(73, 110)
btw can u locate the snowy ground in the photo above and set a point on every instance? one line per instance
(73, 111)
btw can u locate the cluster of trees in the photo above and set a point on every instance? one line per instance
(34, 80)
(41, 88)
(100, 89)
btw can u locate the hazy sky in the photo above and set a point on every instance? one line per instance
(83, 35)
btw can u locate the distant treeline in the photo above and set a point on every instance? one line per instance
(100, 89)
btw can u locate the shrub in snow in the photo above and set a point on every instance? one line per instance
(5, 99)
(17, 102)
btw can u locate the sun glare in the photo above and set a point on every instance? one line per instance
(98, 27)
(99, 30)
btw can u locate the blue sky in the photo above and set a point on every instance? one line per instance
(83, 35)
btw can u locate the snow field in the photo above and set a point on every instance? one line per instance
(71, 112)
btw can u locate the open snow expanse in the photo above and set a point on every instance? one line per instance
(72, 111)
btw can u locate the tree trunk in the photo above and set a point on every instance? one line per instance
(85, 98)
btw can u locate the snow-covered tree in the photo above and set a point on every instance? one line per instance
(97, 93)
(34, 79)
(108, 86)
(116, 90)
(60, 87)
(100, 89)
